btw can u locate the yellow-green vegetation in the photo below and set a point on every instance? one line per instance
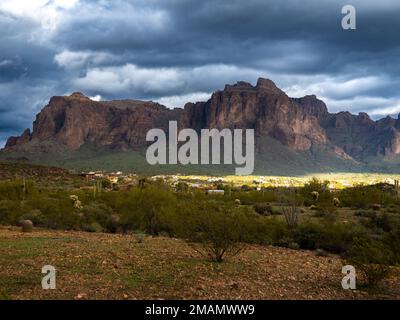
(358, 223)
(336, 180)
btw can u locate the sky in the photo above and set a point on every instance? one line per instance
(176, 51)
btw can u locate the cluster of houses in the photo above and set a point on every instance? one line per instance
(113, 177)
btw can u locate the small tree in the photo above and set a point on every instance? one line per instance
(214, 230)
(150, 209)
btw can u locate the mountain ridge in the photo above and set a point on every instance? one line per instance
(302, 125)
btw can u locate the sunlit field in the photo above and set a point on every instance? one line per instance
(336, 180)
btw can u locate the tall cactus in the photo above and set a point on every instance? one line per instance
(98, 188)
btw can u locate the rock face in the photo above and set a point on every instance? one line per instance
(297, 123)
(264, 107)
(76, 120)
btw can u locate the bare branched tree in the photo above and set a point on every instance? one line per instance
(291, 208)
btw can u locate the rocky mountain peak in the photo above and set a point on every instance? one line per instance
(79, 95)
(266, 84)
(311, 105)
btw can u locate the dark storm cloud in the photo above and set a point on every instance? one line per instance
(174, 50)
(233, 32)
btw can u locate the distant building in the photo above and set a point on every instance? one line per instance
(217, 192)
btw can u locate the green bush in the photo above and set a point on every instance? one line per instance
(385, 222)
(98, 212)
(17, 190)
(10, 211)
(364, 197)
(253, 196)
(326, 212)
(266, 209)
(215, 229)
(57, 211)
(319, 187)
(332, 237)
(392, 240)
(93, 227)
(151, 209)
(373, 258)
(36, 216)
(263, 208)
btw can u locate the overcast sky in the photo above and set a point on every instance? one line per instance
(175, 51)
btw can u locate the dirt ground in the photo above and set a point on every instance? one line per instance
(108, 266)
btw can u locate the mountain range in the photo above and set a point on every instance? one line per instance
(293, 135)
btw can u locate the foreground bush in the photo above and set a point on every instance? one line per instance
(151, 209)
(372, 257)
(215, 230)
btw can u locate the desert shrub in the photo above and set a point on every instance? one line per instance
(392, 240)
(372, 257)
(265, 230)
(291, 213)
(328, 213)
(17, 190)
(100, 213)
(150, 209)
(182, 187)
(93, 227)
(10, 211)
(57, 210)
(253, 197)
(36, 216)
(245, 187)
(215, 230)
(316, 191)
(291, 207)
(106, 184)
(393, 209)
(334, 238)
(266, 209)
(364, 197)
(384, 222)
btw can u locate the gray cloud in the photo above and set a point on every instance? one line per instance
(173, 50)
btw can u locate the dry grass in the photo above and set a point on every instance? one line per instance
(105, 266)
